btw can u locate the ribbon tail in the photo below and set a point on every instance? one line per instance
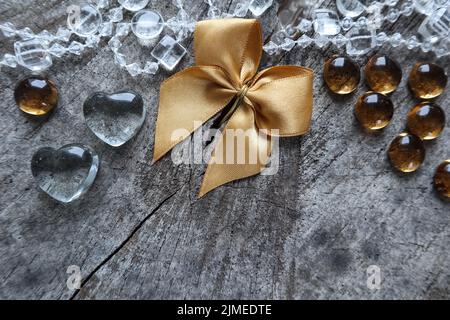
(242, 151)
(187, 100)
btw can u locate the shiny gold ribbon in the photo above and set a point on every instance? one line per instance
(228, 54)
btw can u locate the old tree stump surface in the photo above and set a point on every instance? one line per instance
(311, 231)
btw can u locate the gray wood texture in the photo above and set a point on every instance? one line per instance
(334, 208)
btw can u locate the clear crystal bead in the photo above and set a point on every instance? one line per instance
(92, 41)
(115, 44)
(271, 48)
(63, 34)
(134, 69)
(134, 5)
(360, 42)
(122, 29)
(239, 8)
(361, 22)
(326, 22)
(258, 7)
(120, 59)
(32, 54)
(412, 43)
(106, 29)
(407, 8)
(147, 25)
(393, 15)
(381, 39)
(426, 46)
(168, 52)
(391, 3)
(443, 49)
(150, 68)
(182, 25)
(288, 44)
(347, 23)
(305, 25)
(304, 41)
(8, 29)
(76, 48)
(339, 41)
(102, 4)
(321, 41)
(57, 50)
(115, 14)
(350, 8)
(436, 26)
(396, 39)
(9, 60)
(85, 20)
(26, 33)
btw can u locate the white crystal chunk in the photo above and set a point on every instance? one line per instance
(326, 22)
(168, 52)
(32, 54)
(258, 7)
(85, 20)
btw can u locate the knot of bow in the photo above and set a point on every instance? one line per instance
(277, 99)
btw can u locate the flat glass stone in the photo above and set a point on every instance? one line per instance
(114, 118)
(85, 21)
(326, 22)
(134, 5)
(374, 110)
(341, 74)
(36, 95)
(442, 179)
(168, 52)
(147, 25)
(427, 80)
(406, 152)
(32, 54)
(382, 74)
(67, 173)
(426, 120)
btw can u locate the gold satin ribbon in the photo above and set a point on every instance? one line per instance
(228, 54)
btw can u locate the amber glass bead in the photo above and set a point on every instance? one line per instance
(374, 110)
(442, 179)
(406, 152)
(341, 74)
(36, 95)
(426, 120)
(427, 80)
(382, 74)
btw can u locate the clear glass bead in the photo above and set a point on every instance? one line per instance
(106, 30)
(426, 46)
(122, 29)
(407, 8)
(116, 14)
(150, 67)
(102, 4)
(443, 49)
(396, 39)
(321, 41)
(288, 44)
(114, 43)
(32, 54)
(26, 33)
(9, 60)
(347, 23)
(134, 69)
(8, 29)
(168, 52)
(340, 40)
(412, 42)
(305, 25)
(57, 50)
(350, 8)
(326, 22)
(84, 21)
(393, 15)
(147, 25)
(436, 26)
(239, 8)
(92, 41)
(134, 5)
(120, 59)
(271, 48)
(361, 23)
(258, 7)
(381, 39)
(360, 42)
(304, 41)
(76, 48)
(63, 34)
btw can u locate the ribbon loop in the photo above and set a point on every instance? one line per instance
(228, 53)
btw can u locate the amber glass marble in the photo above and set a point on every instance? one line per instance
(442, 179)
(36, 95)
(382, 74)
(426, 120)
(427, 80)
(406, 152)
(341, 74)
(374, 110)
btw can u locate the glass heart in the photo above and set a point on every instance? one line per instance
(114, 118)
(67, 173)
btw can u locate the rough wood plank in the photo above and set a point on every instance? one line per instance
(334, 208)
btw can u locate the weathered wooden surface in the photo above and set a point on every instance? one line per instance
(334, 208)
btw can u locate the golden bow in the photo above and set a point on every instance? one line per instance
(227, 55)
